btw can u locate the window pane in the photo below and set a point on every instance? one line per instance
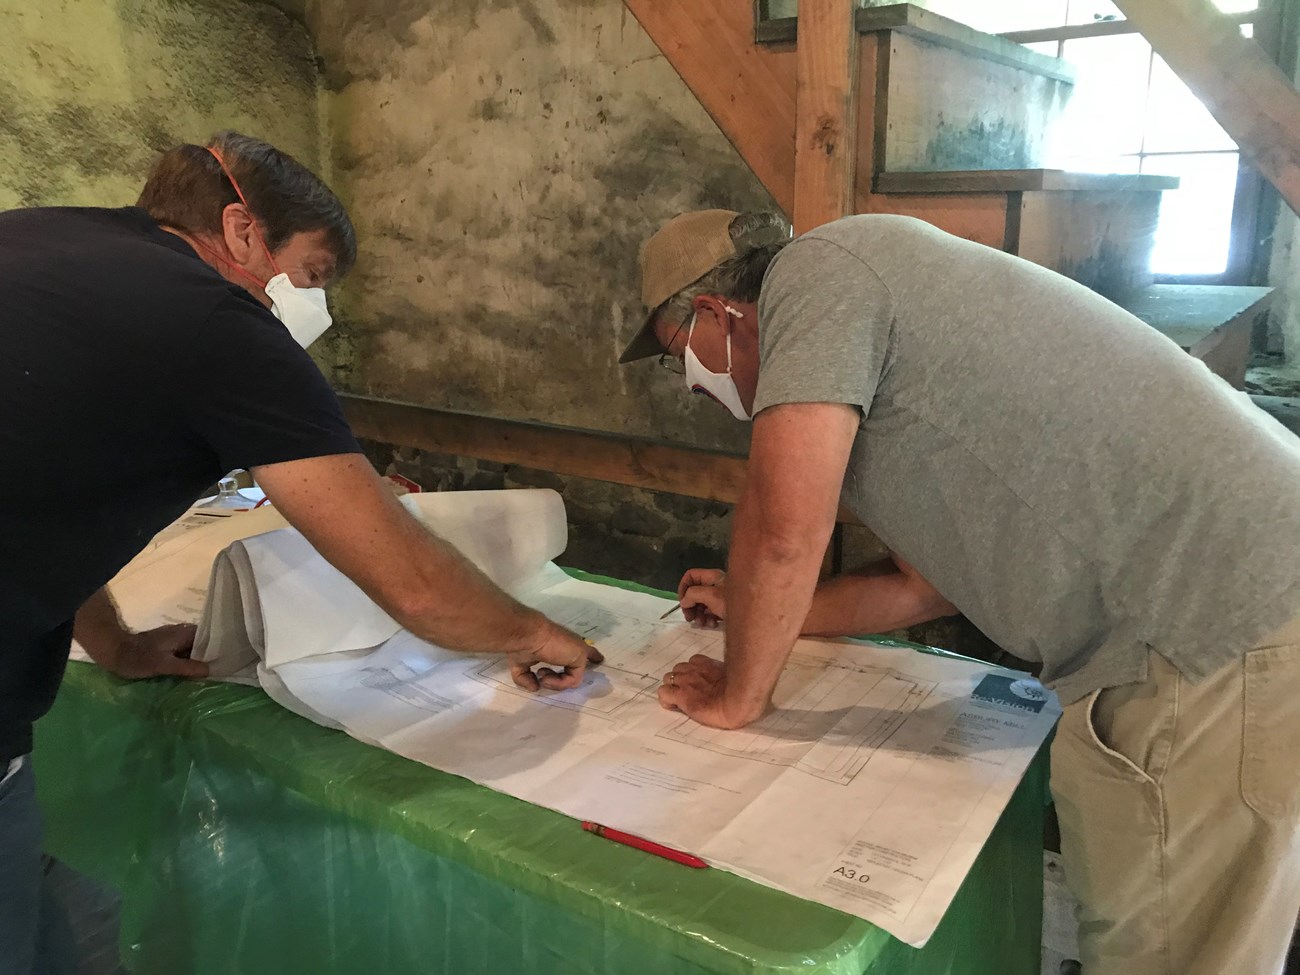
(1247, 30)
(1236, 6)
(1196, 219)
(1091, 11)
(1176, 120)
(1103, 118)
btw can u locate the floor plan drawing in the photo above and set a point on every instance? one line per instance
(830, 721)
(400, 681)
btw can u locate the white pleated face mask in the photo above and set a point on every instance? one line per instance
(303, 311)
(718, 386)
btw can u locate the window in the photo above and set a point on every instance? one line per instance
(1130, 114)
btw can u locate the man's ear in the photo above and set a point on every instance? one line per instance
(239, 234)
(714, 305)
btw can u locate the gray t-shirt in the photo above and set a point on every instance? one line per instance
(1077, 485)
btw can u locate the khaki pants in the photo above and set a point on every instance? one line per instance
(1180, 817)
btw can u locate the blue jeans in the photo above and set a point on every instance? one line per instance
(35, 938)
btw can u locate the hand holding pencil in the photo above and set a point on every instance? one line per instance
(701, 598)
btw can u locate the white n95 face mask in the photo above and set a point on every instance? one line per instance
(302, 310)
(720, 386)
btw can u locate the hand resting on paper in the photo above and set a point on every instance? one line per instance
(698, 688)
(161, 652)
(557, 647)
(703, 598)
(425, 583)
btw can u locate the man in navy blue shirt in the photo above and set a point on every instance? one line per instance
(146, 352)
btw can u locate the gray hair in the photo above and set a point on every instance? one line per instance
(759, 236)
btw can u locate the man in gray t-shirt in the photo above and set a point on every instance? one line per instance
(1041, 461)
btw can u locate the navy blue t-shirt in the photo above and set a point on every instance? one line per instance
(132, 376)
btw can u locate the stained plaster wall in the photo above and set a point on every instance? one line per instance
(503, 160)
(92, 90)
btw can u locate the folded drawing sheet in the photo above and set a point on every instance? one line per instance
(871, 786)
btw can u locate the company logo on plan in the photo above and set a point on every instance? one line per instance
(1019, 694)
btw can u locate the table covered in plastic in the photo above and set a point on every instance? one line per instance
(245, 840)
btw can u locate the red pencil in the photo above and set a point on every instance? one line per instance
(627, 839)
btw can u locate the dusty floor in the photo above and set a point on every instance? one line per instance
(1269, 375)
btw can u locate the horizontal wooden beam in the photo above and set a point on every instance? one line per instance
(1100, 28)
(615, 458)
(1016, 180)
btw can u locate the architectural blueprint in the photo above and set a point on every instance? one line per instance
(870, 785)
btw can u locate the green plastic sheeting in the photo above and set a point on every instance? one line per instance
(246, 840)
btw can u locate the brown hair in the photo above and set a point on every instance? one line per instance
(188, 191)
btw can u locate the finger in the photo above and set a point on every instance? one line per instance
(686, 667)
(692, 685)
(701, 679)
(708, 621)
(172, 666)
(685, 698)
(177, 638)
(554, 680)
(706, 596)
(699, 577)
(687, 580)
(594, 656)
(523, 677)
(707, 663)
(667, 698)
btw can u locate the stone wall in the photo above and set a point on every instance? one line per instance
(92, 90)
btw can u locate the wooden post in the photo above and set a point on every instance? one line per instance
(1245, 92)
(826, 95)
(826, 133)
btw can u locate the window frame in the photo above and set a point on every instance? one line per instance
(1255, 202)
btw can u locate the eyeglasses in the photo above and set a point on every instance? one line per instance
(669, 361)
(673, 364)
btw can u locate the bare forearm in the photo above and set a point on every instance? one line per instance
(873, 603)
(99, 629)
(462, 608)
(420, 580)
(762, 629)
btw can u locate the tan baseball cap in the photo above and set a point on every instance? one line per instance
(682, 251)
